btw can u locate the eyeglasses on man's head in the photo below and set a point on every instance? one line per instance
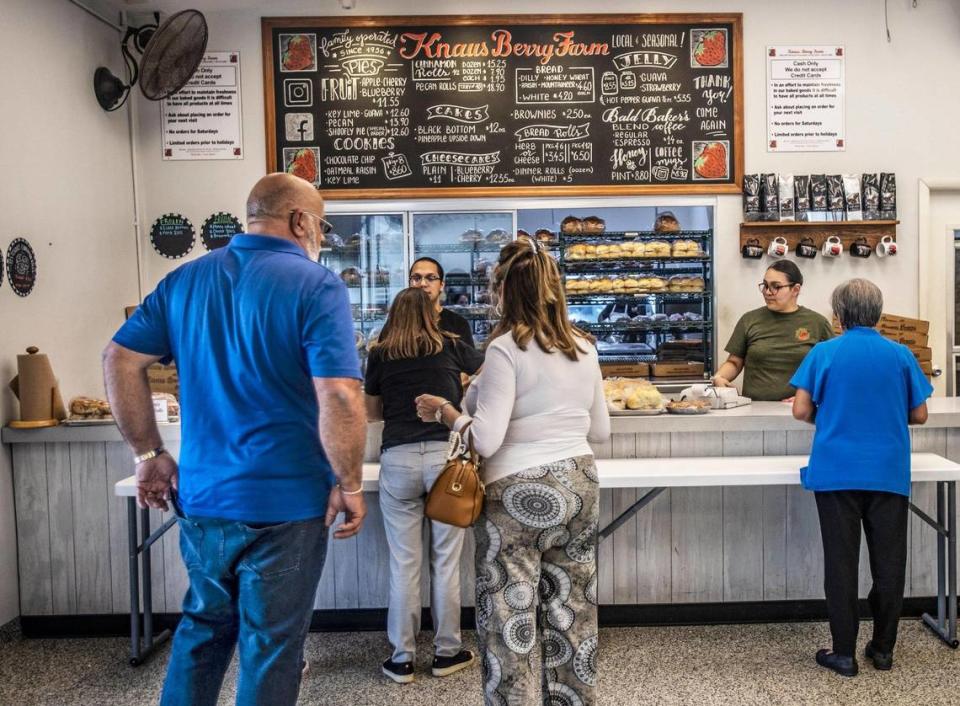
(325, 225)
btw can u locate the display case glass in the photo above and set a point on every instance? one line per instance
(466, 244)
(367, 251)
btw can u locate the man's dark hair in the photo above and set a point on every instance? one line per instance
(790, 269)
(427, 259)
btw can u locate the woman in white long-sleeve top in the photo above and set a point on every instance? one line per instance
(532, 411)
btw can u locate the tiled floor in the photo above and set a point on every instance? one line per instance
(700, 666)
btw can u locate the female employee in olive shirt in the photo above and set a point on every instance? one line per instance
(769, 343)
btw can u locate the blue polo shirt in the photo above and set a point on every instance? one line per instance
(864, 386)
(249, 326)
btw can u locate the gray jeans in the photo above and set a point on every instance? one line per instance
(407, 472)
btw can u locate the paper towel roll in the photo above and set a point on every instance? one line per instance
(36, 388)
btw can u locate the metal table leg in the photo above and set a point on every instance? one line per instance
(647, 498)
(945, 624)
(140, 570)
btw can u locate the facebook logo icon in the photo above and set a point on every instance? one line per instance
(299, 127)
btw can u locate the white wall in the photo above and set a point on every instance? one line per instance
(900, 114)
(65, 186)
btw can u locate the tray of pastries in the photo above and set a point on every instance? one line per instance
(632, 396)
(630, 250)
(616, 285)
(700, 406)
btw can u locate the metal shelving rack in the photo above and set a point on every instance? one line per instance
(654, 329)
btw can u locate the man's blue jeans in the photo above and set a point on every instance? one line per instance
(251, 586)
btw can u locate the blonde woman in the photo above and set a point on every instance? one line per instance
(413, 355)
(534, 408)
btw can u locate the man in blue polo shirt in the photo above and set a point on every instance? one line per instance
(272, 441)
(861, 390)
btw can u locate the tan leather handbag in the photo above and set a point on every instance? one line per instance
(456, 497)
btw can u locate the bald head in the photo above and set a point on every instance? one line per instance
(275, 195)
(288, 207)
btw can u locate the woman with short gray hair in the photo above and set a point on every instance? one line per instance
(860, 390)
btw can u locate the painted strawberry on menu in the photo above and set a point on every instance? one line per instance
(304, 165)
(299, 54)
(711, 48)
(712, 161)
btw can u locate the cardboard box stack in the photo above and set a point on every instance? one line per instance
(913, 333)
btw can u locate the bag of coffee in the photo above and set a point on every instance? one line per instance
(801, 191)
(785, 187)
(851, 196)
(888, 196)
(870, 196)
(818, 197)
(770, 197)
(835, 201)
(751, 197)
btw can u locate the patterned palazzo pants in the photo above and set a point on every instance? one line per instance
(536, 571)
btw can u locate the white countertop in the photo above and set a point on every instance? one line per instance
(699, 472)
(759, 416)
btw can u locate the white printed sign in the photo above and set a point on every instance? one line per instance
(203, 120)
(805, 99)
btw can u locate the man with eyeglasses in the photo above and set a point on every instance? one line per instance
(427, 274)
(768, 344)
(272, 440)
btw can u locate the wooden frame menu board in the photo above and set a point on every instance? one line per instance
(526, 105)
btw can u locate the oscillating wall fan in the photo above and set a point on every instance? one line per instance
(170, 54)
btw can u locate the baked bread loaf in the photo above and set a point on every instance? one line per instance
(571, 225)
(471, 236)
(350, 276)
(544, 235)
(666, 223)
(576, 252)
(89, 408)
(686, 248)
(593, 225)
(657, 248)
(498, 235)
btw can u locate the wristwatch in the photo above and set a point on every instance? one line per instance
(152, 453)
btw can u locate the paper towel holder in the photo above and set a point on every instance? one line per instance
(56, 402)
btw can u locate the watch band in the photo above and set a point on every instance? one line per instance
(152, 453)
(438, 415)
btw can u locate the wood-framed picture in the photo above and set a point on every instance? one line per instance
(524, 105)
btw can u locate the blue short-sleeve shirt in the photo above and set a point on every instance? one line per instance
(864, 387)
(249, 326)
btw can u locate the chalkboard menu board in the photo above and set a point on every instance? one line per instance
(527, 105)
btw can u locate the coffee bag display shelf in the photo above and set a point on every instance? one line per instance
(793, 232)
(518, 105)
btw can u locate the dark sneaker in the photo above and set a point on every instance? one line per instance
(881, 660)
(844, 666)
(400, 672)
(445, 666)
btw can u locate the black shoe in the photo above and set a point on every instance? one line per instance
(445, 666)
(400, 672)
(881, 660)
(844, 666)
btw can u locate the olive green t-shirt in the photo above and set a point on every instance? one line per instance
(772, 346)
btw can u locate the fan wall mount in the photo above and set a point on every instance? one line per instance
(169, 52)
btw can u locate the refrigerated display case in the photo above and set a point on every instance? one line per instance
(367, 251)
(466, 244)
(646, 295)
